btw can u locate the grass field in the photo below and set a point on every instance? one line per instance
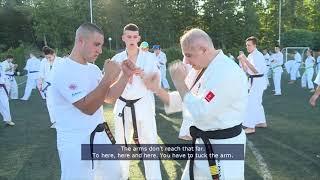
(288, 149)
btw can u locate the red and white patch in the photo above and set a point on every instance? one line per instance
(209, 96)
(72, 87)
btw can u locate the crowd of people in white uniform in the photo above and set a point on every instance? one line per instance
(75, 90)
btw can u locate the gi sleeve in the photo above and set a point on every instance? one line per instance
(175, 103)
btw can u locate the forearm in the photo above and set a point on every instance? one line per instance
(93, 101)
(250, 66)
(182, 89)
(116, 89)
(163, 95)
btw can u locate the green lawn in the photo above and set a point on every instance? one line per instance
(290, 146)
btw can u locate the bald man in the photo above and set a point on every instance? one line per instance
(78, 91)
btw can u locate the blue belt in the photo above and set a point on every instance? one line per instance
(33, 71)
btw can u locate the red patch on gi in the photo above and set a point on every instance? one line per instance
(73, 86)
(209, 96)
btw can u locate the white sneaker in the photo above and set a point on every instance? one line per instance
(10, 123)
(53, 126)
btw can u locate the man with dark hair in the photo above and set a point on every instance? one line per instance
(276, 65)
(44, 84)
(78, 91)
(255, 67)
(135, 109)
(9, 70)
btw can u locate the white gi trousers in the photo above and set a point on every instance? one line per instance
(255, 111)
(294, 73)
(277, 72)
(31, 84)
(13, 87)
(147, 133)
(73, 168)
(4, 105)
(306, 78)
(229, 169)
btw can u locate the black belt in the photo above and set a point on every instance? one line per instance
(130, 103)
(101, 127)
(254, 76)
(45, 88)
(206, 136)
(5, 89)
(33, 71)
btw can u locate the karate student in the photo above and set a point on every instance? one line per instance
(134, 111)
(210, 106)
(162, 65)
(307, 76)
(9, 69)
(78, 91)
(45, 72)
(266, 56)
(276, 65)
(255, 67)
(32, 66)
(4, 99)
(294, 72)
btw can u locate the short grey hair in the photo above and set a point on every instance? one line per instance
(88, 28)
(193, 35)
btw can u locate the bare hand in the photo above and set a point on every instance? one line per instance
(178, 71)
(129, 68)
(112, 70)
(313, 100)
(152, 81)
(241, 57)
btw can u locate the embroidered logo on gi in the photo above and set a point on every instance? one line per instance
(72, 87)
(209, 96)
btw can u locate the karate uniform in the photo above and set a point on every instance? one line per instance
(308, 73)
(4, 99)
(45, 74)
(212, 104)
(269, 70)
(277, 70)
(144, 113)
(70, 82)
(255, 111)
(162, 61)
(12, 83)
(294, 73)
(32, 66)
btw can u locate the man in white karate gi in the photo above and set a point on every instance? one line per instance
(134, 111)
(32, 66)
(209, 103)
(9, 69)
(162, 65)
(45, 73)
(255, 67)
(307, 76)
(78, 91)
(294, 70)
(276, 65)
(4, 99)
